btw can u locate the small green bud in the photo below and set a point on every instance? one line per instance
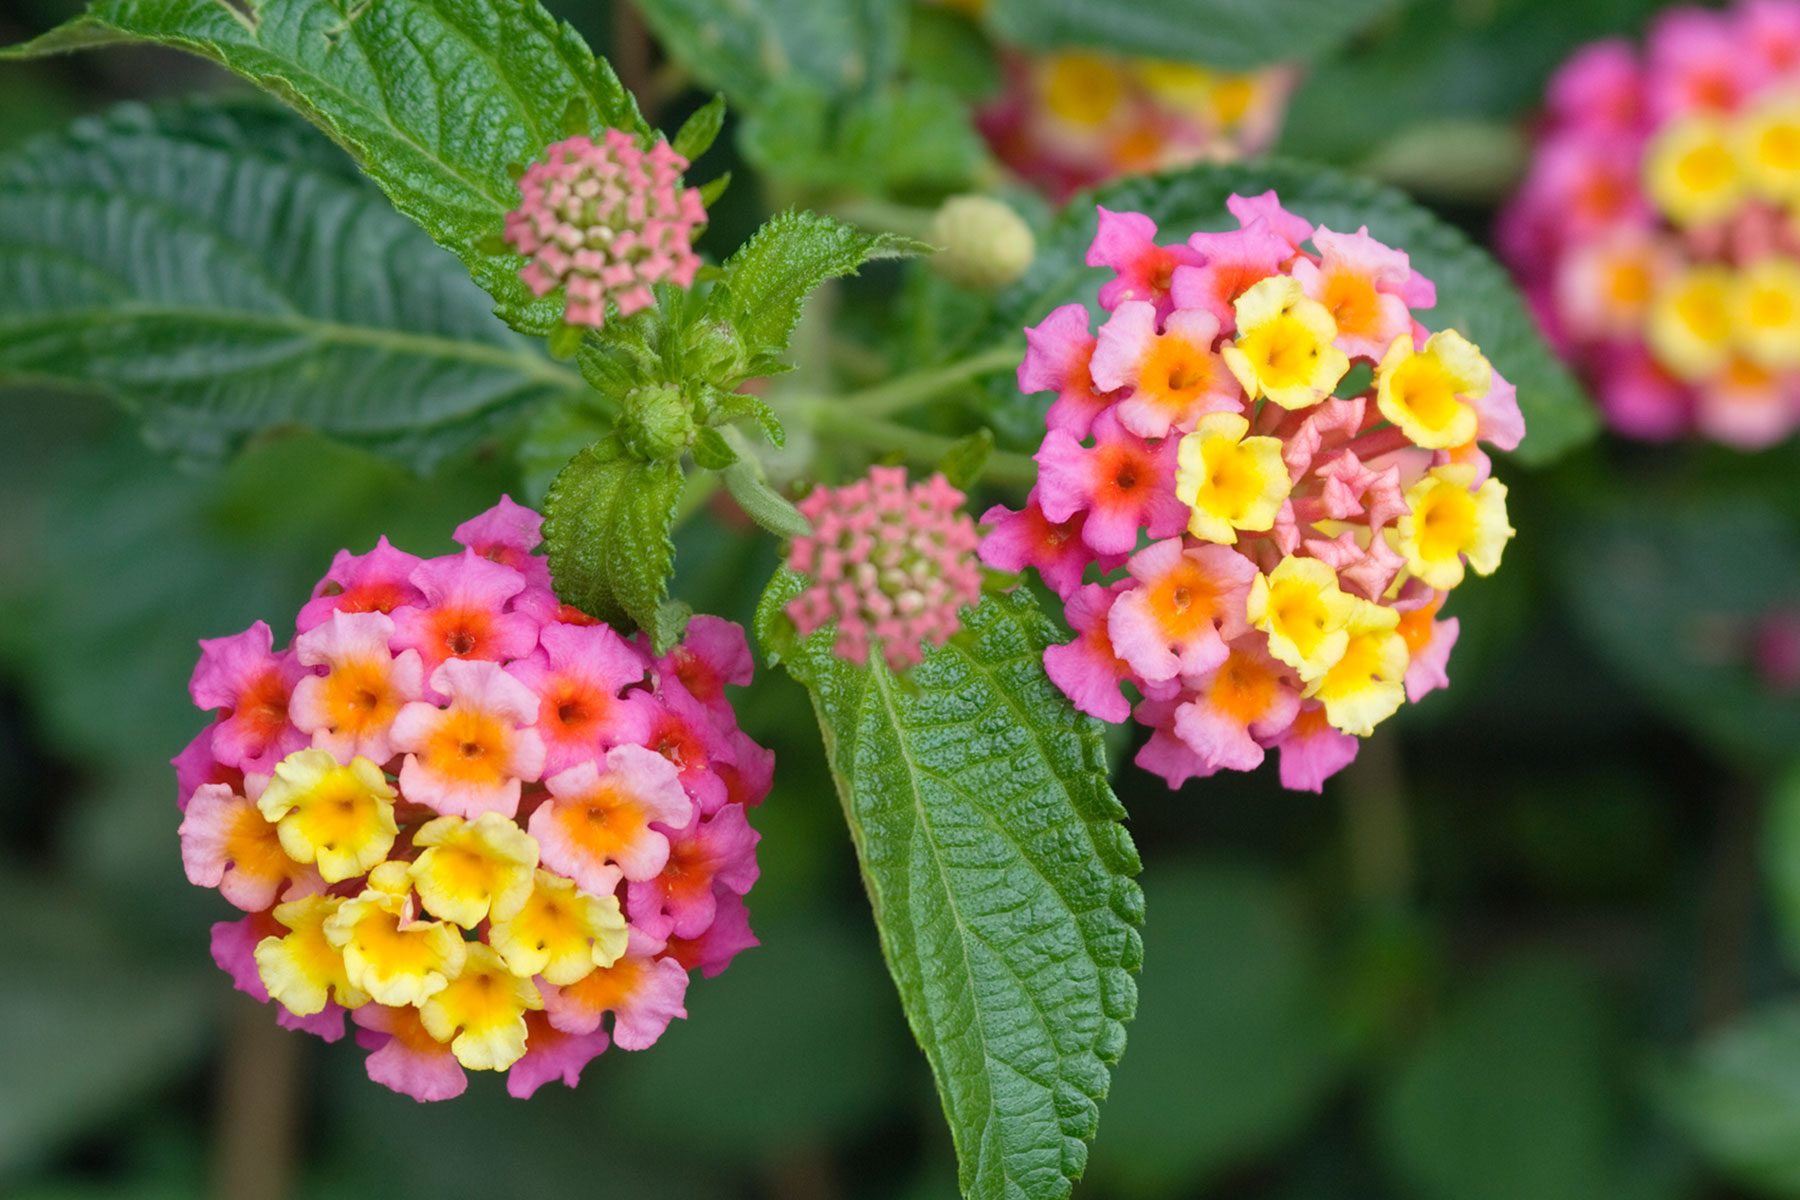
(982, 243)
(657, 423)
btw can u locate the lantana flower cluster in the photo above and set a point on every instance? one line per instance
(1658, 232)
(471, 819)
(604, 221)
(891, 566)
(1254, 551)
(1066, 121)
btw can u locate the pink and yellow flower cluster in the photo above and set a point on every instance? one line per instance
(472, 819)
(604, 221)
(1658, 232)
(1070, 120)
(1255, 546)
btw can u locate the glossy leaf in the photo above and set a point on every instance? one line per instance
(999, 872)
(221, 269)
(432, 98)
(1475, 295)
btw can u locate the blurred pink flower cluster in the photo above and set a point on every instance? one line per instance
(473, 819)
(604, 221)
(1658, 232)
(1253, 541)
(1066, 121)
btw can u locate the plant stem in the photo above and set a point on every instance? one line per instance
(899, 394)
(848, 425)
(883, 215)
(258, 1109)
(1376, 833)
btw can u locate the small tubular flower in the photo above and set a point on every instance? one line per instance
(1230, 481)
(378, 823)
(339, 817)
(890, 566)
(1285, 550)
(1678, 297)
(604, 221)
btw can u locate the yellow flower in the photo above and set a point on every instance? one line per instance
(1302, 609)
(1693, 171)
(341, 818)
(394, 958)
(1768, 146)
(482, 1012)
(1367, 685)
(473, 870)
(1766, 313)
(1446, 521)
(561, 933)
(1080, 89)
(1690, 322)
(1230, 481)
(1430, 393)
(1284, 345)
(301, 968)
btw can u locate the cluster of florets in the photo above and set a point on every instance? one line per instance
(1259, 558)
(1659, 230)
(604, 221)
(473, 818)
(890, 565)
(1067, 121)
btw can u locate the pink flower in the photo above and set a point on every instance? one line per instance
(721, 849)
(463, 613)
(1360, 282)
(680, 728)
(889, 565)
(1697, 61)
(580, 674)
(598, 828)
(195, 766)
(1233, 712)
(712, 654)
(1173, 375)
(1292, 229)
(472, 756)
(1601, 85)
(1058, 350)
(728, 936)
(1088, 670)
(227, 844)
(1186, 603)
(250, 684)
(1142, 270)
(1312, 751)
(1230, 264)
(350, 709)
(604, 221)
(379, 581)
(234, 950)
(1164, 754)
(508, 534)
(1122, 483)
(1027, 538)
(405, 1057)
(551, 1054)
(643, 991)
(1428, 642)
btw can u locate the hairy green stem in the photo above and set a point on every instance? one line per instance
(837, 423)
(906, 391)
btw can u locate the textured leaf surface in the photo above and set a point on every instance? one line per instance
(1475, 295)
(606, 528)
(747, 48)
(999, 872)
(222, 269)
(1220, 33)
(768, 279)
(433, 98)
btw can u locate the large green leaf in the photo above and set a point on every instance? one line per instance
(221, 268)
(1222, 33)
(999, 873)
(433, 98)
(746, 49)
(1738, 1097)
(606, 529)
(1474, 294)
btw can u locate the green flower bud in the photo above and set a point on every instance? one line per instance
(982, 242)
(658, 423)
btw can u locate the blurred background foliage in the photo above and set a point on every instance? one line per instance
(1541, 943)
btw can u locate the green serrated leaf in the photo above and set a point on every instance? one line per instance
(1228, 34)
(712, 451)
(999, 873)
(432, 98)
(768, 279)
(742, 49)
(710, 191)
(741, 406)
(220, 268)
(606, 529)
(1475, 294)
(699, 131)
